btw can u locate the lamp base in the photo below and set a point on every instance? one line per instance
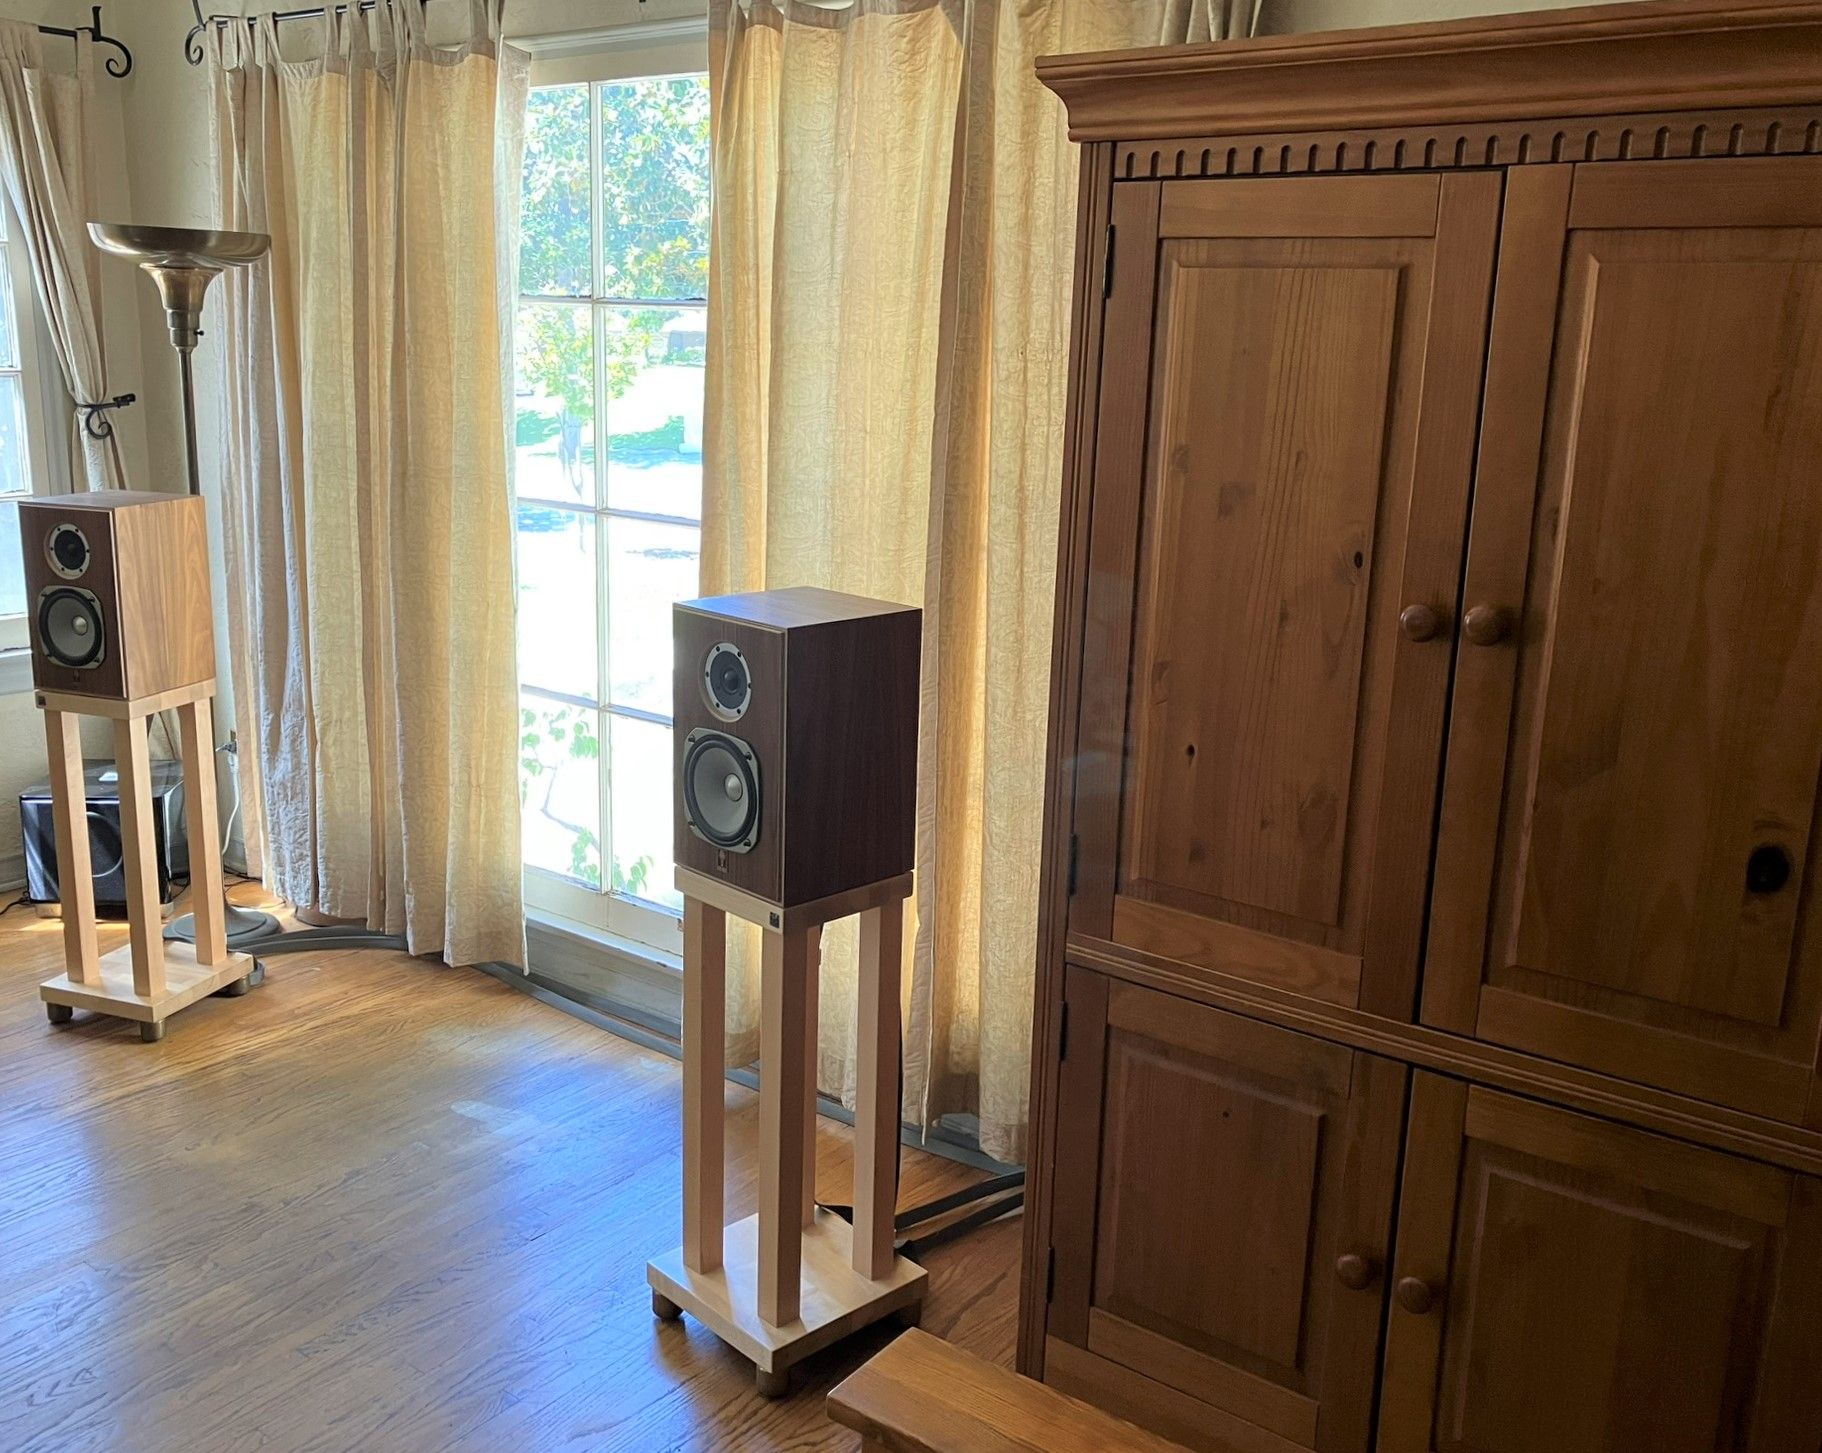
(244, 925)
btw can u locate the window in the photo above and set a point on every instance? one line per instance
(23, 467)
(608, 435)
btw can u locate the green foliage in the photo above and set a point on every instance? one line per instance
(654, 228)
(546, 737)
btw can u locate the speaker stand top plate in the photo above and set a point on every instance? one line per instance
(753, 909)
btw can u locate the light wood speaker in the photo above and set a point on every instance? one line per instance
(117, 591)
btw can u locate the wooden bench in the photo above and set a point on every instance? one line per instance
(922, 1395)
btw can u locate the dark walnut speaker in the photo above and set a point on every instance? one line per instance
(117, 592)
(795, 741)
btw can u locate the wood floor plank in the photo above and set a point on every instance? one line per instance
(385, 1205)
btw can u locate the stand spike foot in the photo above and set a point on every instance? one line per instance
(59, 1013)
(664, 1309)
(151, 1033)
(772, 1384)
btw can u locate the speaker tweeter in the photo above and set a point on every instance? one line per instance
(727, 681)
(67, 550)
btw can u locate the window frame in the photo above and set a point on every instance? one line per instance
(651, 52)
(39, 395)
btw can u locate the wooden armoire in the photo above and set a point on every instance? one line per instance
(1431, 946)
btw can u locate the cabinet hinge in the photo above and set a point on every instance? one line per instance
(1107, 272)
(1063, 1031)
(1075, 857)
(1050, 1276)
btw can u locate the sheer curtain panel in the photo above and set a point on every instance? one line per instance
(44, 157)
(888, 344)
(366, 492)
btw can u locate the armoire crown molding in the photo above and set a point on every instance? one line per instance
(1652, 57)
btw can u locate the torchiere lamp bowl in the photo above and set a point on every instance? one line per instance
(183, 261)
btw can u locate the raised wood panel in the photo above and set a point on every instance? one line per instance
(1595, 1289)
(1211, 1172)
(1294, 476)
(1274, 369)
(1666, 677)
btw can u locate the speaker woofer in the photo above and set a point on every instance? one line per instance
(69, 627)
(727, 681)
(67, 549)
(721, 790)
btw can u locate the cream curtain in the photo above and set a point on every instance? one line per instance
(889, 320)
(366, 491)
(44, 155)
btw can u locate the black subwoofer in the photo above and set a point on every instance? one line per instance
(101, 788)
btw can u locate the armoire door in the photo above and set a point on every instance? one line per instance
(1565, 1285)
(1289, 388)
(1221, 1215)
(1623, 873)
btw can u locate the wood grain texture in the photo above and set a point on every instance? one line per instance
(75, 872)
(1165, 1270)
(139, 856)
(1658, 54)
(704, 1048)
(1296, 476)
(384, 1204)
(1597, 1290)
(876, 1078)
(202, 822)
(1054, 880)
(149, 572)
(833, 724)
(923, 1395)
(1666, 687)
(783, 1067)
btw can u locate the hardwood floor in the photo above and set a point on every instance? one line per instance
(381, 1205)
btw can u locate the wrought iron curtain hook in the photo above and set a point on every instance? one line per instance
(95, 421)
(192, 41)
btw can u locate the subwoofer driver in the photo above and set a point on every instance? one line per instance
(69, 626)
(721, 790)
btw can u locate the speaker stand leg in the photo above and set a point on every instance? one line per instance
(783, 1060)
(75, 871)
(704, 1089)
(876, 1109)
(132, 759)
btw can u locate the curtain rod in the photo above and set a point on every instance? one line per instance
(119, 65)
(192, 42)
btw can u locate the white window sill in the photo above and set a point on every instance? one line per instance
(15, 672)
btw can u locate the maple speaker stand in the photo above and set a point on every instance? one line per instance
(147, 980)
(794, 1278)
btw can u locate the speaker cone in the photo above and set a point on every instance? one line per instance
(727, 681)
(721, 790)
(67, 548)
(69, 626)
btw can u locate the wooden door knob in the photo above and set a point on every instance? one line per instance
(1356, 1272)
(1415, 1295)
(1487, 625)
(1419, 622)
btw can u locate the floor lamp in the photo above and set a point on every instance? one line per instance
(183, 261)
